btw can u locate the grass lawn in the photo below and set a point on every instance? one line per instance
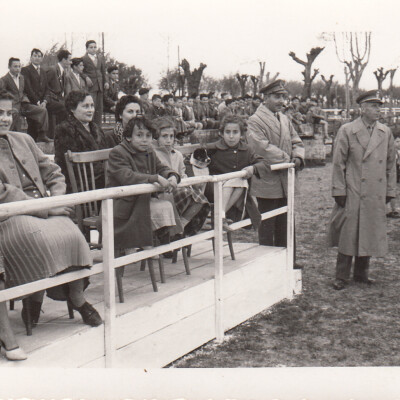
(358, 326)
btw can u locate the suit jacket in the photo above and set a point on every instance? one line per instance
(45, 174)
(18, 95)
(35, 84)
(55, 83)
(110, 97)
(71, 83)
(95, 72)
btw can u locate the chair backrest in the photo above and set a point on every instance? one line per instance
(81, 174)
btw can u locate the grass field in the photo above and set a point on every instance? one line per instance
(358, 326)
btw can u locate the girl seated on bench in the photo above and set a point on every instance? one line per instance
(192, 205)
(229, 154)
(133, 162)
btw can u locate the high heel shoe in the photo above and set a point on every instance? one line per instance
(15, 354)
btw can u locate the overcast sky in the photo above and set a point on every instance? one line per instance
(229, 36)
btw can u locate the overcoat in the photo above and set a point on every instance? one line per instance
(126, 166)
(277, 142)
(364, 170)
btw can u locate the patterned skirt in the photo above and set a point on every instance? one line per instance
(37, 248)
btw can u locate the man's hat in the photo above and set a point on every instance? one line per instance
(143, 91)
(277, 86)
(372, 96)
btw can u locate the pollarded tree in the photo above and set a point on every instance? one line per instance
(327, 89)
(242, 79)
(192, 78)
(255, 81)
(308, 76)
(380, 77)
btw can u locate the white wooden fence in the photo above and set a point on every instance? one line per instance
(110, 262)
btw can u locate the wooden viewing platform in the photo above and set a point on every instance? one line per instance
(152, 329)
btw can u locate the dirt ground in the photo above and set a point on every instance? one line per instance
(358, 326)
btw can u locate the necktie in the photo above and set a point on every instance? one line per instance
(38, 70)
(277, 117)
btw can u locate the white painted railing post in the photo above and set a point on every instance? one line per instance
(290, 234)
(109, 282)
(219, 270)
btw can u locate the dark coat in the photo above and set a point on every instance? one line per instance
(35, 84)
(110, 96)
(72, 135)
(225, 159)
(55, 83)
(132, 223)
(18, 95)
(96, 73)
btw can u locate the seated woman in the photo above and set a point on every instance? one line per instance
(231, 154)
(132, 162)
(126, 108)
(42, 244)
(191, 204)
(78, 133)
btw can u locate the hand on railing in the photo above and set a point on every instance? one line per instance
(64, 210)
(167, 184)
(249, 172)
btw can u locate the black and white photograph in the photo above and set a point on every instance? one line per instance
(198, 200)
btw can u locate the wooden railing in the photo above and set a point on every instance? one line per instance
(106, 196)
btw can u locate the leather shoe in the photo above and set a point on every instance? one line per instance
(89, 314)
(367, 281)
(339, 284)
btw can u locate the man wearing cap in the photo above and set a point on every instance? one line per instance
(363, 180)
(272, 136)
(144, 99)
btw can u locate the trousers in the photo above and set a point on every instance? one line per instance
(98, 106)
(343, 267)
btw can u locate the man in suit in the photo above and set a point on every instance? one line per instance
(74, 80)
(144, 99)
(94, 74)
(14, 83)
(271, 134)
(56, 77)
(35, 88)
(363, 180)
(111, 93)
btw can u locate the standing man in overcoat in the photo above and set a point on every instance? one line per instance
(363, 180)
(272, 136)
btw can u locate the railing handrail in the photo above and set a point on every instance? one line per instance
(34, 205)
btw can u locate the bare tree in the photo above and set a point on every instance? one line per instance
(242, 82)
(192, 78)
(255, 81)
(268, 78)
(391, 76)
(262, 70)
(380, 77)
(308, 76)
(358, 57)
(327, 89)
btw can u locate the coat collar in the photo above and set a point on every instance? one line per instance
(367, 141)
(221, 145)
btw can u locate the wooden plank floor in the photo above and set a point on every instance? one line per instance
(58, 341)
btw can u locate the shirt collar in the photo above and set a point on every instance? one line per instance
(369, 127)
(14, 77)
(61, 68)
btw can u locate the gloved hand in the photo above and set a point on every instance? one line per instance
(298, 163)
(388, 198)
(340, 200)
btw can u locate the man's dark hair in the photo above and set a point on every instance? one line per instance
(167, 97)
(155, 96)
(63, 54)
(203, 95)
(89, 42)
(12, 59)
(4, 95)
(36, 51)
(123, 102)
(74, 98)
(112, 68)
(76, 61)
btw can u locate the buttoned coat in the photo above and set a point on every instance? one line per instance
(364, 170)
(55, 83)
(126, 166)
(45, 174)
(96, 73)
(276, 141)
(72, 83)
(35, 84)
